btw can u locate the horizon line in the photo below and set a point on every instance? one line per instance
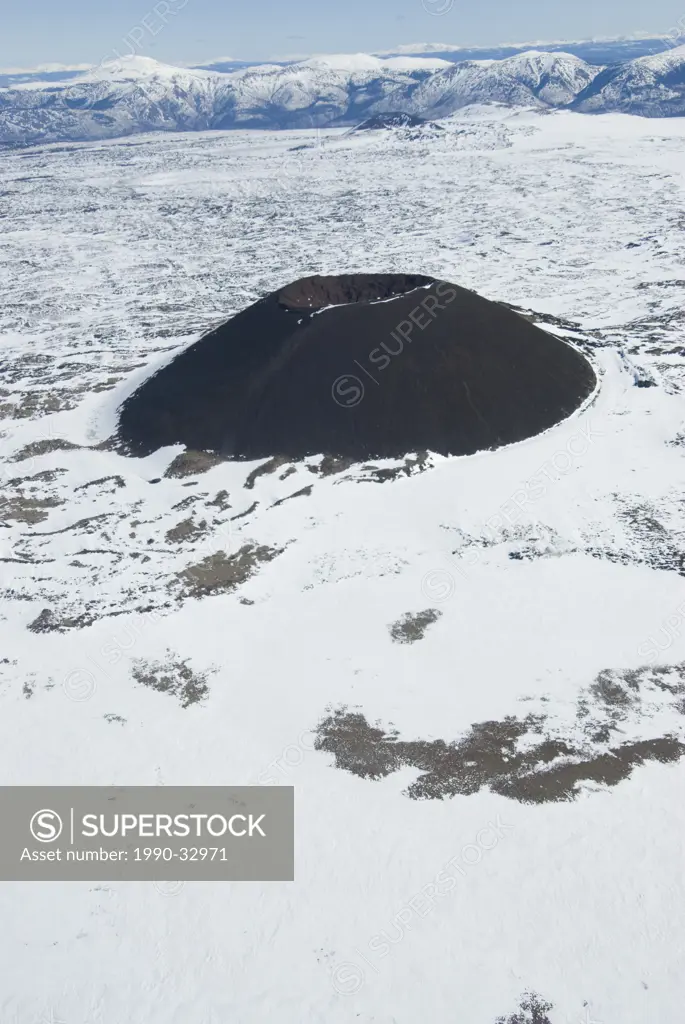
(51, 67)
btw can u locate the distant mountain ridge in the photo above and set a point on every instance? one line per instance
(653, 86)
(528, 79)
(593, 51)
(138, 94)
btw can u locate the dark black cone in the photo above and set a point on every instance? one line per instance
(397, 364)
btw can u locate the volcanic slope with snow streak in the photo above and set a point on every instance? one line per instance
(470, 668)
(460, 375)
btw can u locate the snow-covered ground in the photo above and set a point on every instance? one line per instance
(553, 570)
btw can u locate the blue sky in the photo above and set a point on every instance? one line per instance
(83, 31)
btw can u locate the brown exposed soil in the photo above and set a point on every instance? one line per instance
(116, 481)
(44, 447)
(191, 463)
(27, 510)
(267, 467)
(304, 492)
(221, 501)
(519, 758)
(80, 526)
(187, 530)
(247, 512)
(221, 573)
(488, 756)
(32, 404)
(48, 622)
(330, 465)
(46, 476)
(412, 464)
(185, 503)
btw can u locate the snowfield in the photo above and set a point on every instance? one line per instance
(542, 584)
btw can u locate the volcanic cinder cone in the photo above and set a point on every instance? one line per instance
(361, 366)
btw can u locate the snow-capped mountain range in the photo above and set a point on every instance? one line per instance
(531, 79)
(594, 51)
(138, 94)
(649, 85)
(600, 50)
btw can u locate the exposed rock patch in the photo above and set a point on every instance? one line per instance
(187, 530)
(304, 492)
(44, 447)
(532, 1010)
(528, 759)
(222, 573)
(267, 467)
(23, 509)
(411, 628)
(392, 120)
(173, 676)
(191, 463)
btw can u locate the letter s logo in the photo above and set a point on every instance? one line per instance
(46, 826)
